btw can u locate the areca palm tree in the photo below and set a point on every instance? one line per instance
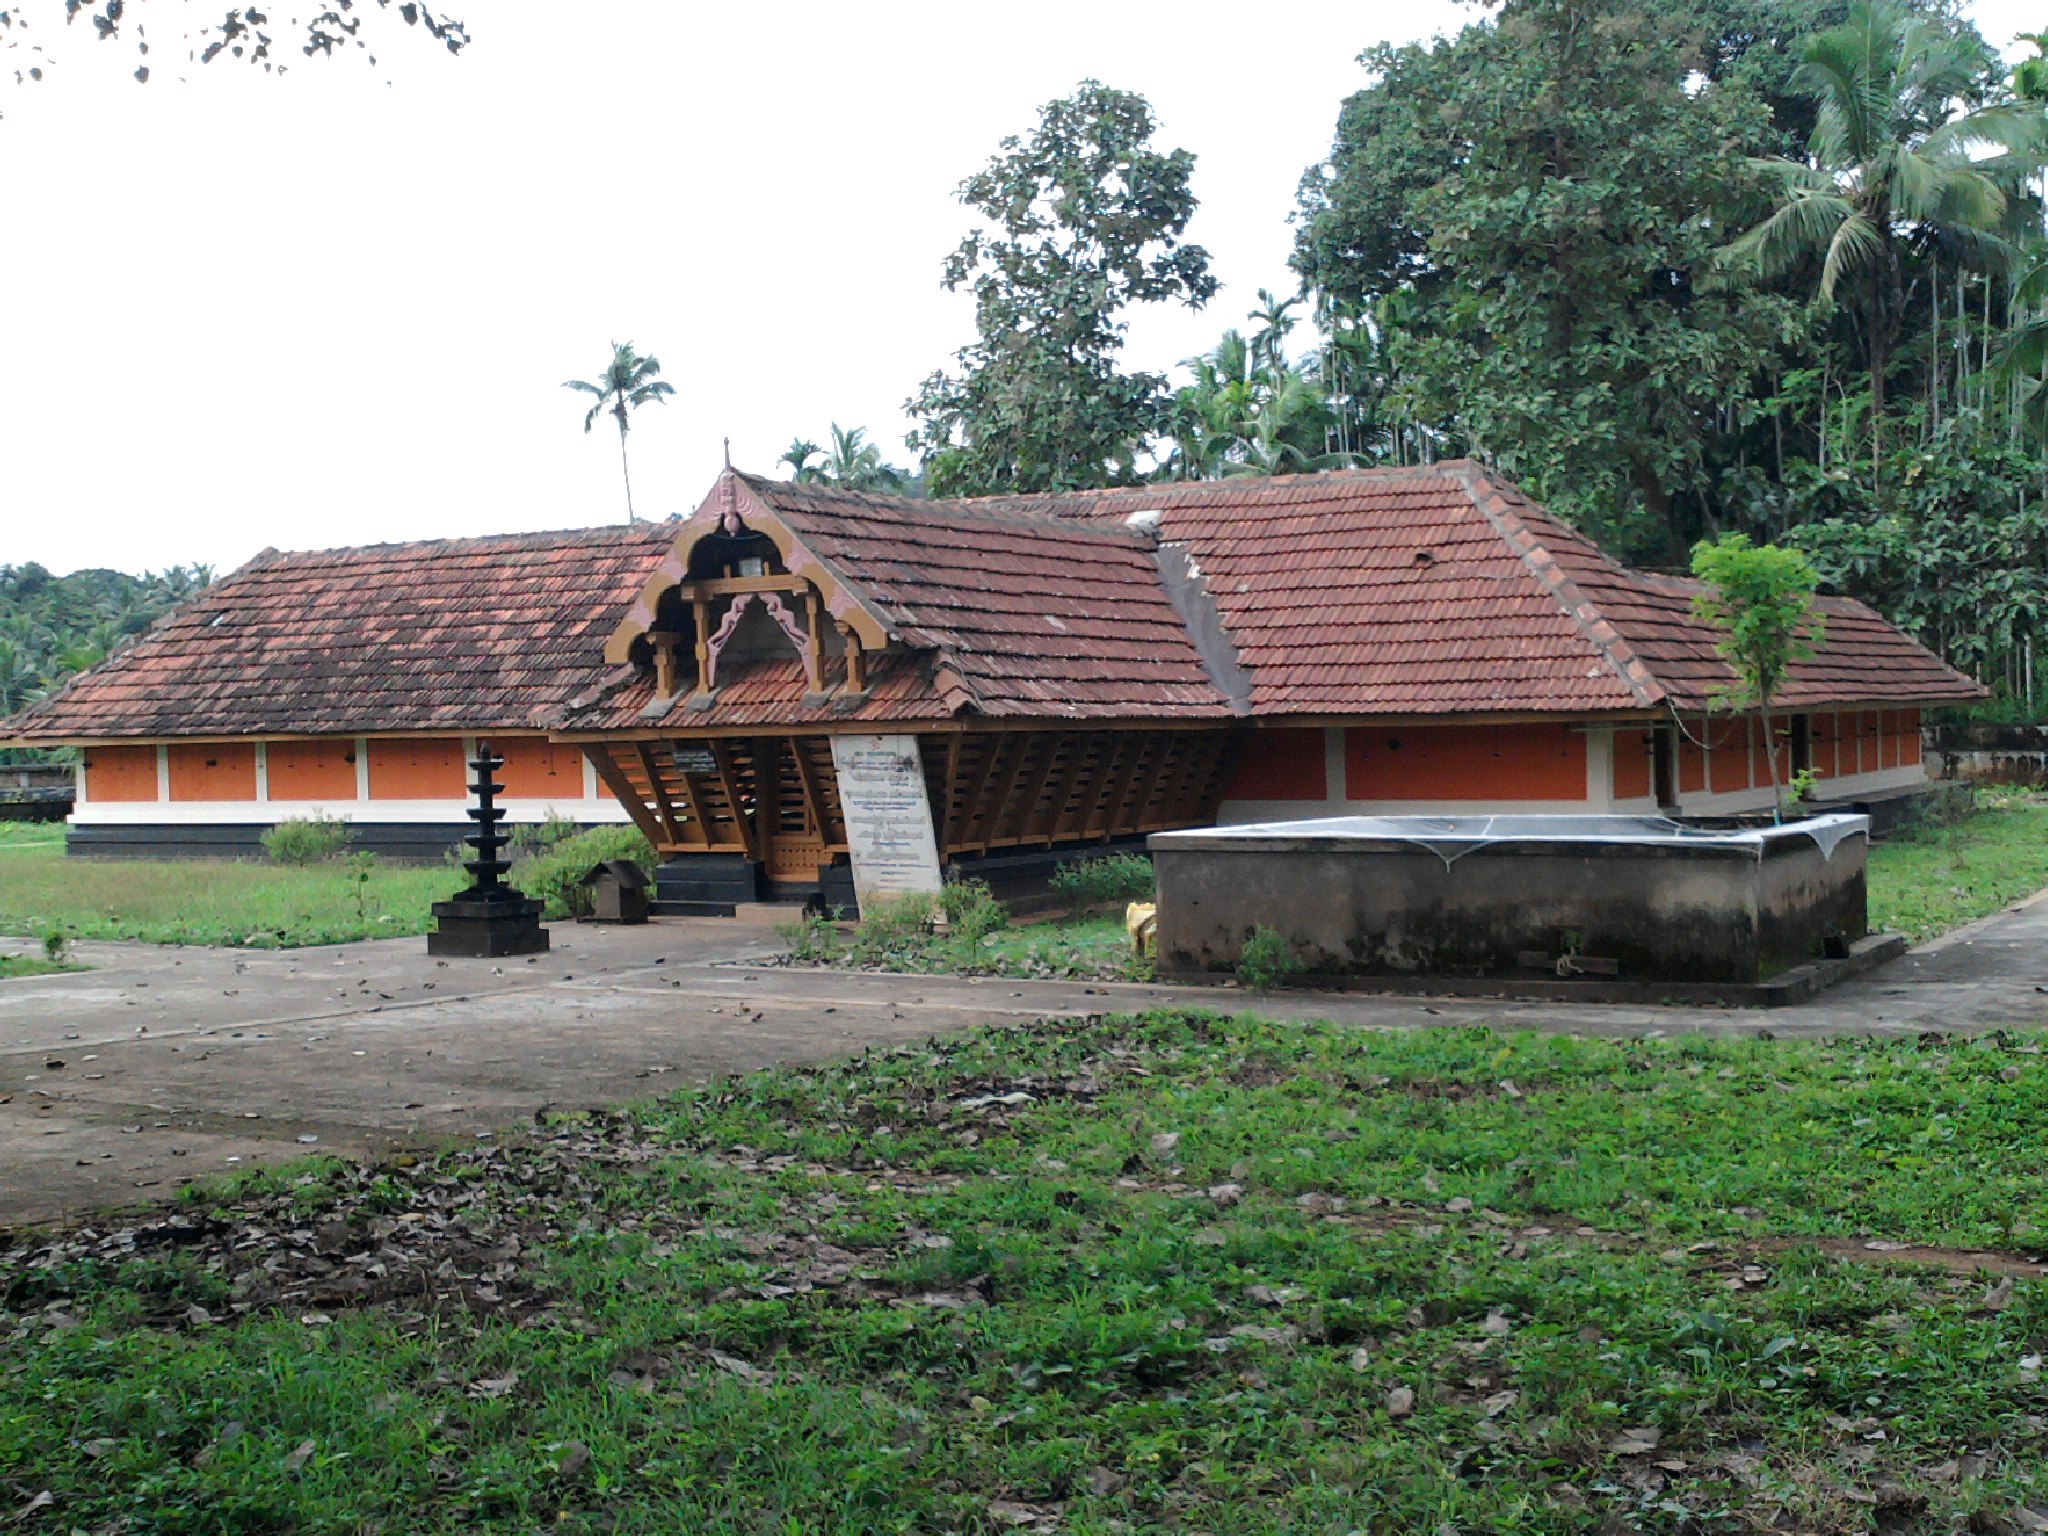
(798, 457)
(628, 382)
(1891, 161)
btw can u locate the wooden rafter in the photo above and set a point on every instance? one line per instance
(623, 791)
(662, 806)
(1035, 789)
(807, 778)
(946, 808)
(1083, 796)
(1004, 784)
(728, 780)
(693, 802)
(1131, 752)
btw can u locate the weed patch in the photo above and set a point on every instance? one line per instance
(1174, 1272)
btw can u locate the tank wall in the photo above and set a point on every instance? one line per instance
(1378, 908)
(1802, 897)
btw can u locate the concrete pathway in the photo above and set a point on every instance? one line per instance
(160, 1065)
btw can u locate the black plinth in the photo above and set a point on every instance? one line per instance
(490, 918)
(483, 929)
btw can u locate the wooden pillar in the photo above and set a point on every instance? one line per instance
(665, 679)
(856, 661)
(700, 610)
(814, 641)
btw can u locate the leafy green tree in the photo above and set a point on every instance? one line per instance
(1249, 410)
(1761, 600)
(851, 462)
(1084, 218)
(52, 626)
(162, 37)
(1891, 160)
(628, 382)
(798, 456)
(1543, 188)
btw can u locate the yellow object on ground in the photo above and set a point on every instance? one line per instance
(1141, 920)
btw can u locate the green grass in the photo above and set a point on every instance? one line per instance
(1156, 1275)
(1090, 948)
(28, 965)
(207, 901)
(1933, 880)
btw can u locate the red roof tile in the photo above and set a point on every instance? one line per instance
(1443, 590)
(450, 634)
(1420, 591)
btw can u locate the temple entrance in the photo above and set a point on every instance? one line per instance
(797, 822)
(770, 804)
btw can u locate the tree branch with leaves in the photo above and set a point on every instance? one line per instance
(1759, 598)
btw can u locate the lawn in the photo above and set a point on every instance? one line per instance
(1940, 878)
(1165, 1274)
(206, 901)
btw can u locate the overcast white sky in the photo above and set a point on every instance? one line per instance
(337, 308)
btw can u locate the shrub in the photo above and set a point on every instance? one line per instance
(1100, 882)
(1267, 960)
(972, 911)
(555, 876)
(813, 940)
(307, 839)
(531, 837)
(56, 946)
(891, 923)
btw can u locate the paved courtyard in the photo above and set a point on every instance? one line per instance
(161, 1065)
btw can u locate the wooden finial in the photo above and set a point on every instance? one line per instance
(728, 452)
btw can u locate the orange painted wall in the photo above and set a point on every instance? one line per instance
(1728, 759)
(1909, 738)
(120, 773)
(420, 768)
(219, 771)
(1281, 765)
(1692, 764)
(1820, 736)
(1631, 762)
(312, 770)
(1465, 762)
(538, 769)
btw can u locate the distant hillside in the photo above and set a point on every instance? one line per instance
(54, 626)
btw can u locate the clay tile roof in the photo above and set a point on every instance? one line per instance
(1037, 615)
(447, 634)
(1412, 591)
(1443, 589)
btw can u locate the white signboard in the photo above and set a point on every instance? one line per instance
(888, 816)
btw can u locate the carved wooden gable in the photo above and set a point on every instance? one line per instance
(740, 586)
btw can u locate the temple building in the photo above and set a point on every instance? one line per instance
(1060, 673)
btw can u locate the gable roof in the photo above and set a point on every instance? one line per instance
(446, 634)
(1443, 589)
(1437, 590)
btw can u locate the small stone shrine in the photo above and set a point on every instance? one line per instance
(489, 917)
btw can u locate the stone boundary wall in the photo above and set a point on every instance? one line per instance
(1981, 752)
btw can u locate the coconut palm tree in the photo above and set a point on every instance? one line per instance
(856, 464)
(1891, 161)
(628, 382)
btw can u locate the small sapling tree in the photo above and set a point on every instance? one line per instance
(1760, 598)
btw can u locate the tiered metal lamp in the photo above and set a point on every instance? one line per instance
(489, 917)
